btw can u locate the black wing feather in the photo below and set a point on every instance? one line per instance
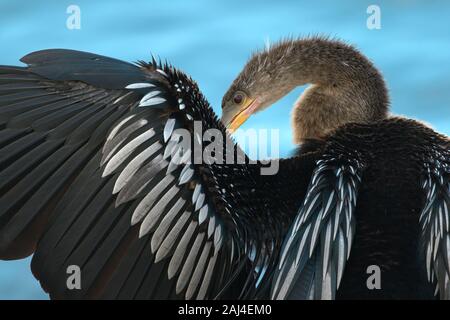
(93, 180)
(97, 70)
(318, 243)
(435, 219)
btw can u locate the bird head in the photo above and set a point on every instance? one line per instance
(345, 86)
(261, 83)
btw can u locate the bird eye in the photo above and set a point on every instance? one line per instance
(238, 98)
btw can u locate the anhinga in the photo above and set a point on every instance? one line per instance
(93, 174)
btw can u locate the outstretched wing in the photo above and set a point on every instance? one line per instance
(318, 243)
(435, 221)
(50, 130)
(94, 176)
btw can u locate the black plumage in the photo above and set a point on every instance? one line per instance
(91, 176)
(395, 155)
(107, 194)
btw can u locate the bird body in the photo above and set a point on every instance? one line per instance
(375, 169)
(94, 174)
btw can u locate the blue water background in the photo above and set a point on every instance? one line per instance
(211, 41)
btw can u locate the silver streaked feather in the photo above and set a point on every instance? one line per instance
(134, 165)
(147, 202)
(327, 210)
(200, 200)
(186, 174)
(149, 95)
(203, 214)
(207, 278)
(168, 128)
(155, 212)
(198, 271)
(435, 236)
(163, 227)
(118, 126)
(169, 241)
(196, 193)
(139, 85)
(188, 266)
(181, 249)
(140, 180)
(152, 102)
(211, 226)
(117, 139)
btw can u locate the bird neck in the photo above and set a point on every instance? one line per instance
(345, 87)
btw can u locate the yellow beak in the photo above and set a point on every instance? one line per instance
(244, 113)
